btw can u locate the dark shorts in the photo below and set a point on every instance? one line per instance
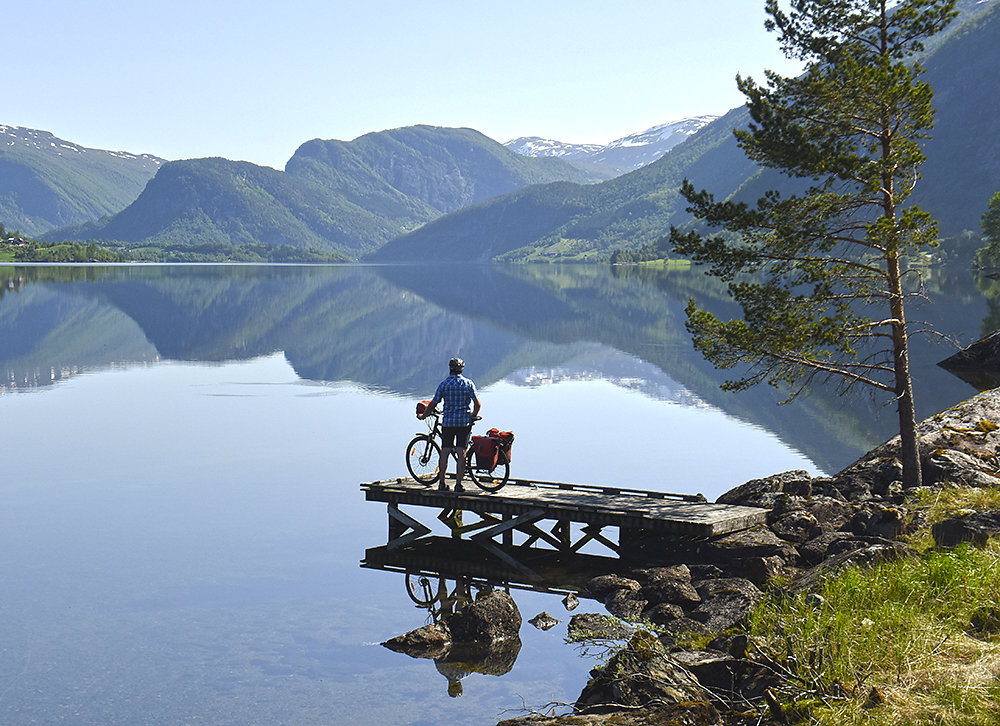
(455, 436)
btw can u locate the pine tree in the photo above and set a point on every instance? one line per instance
(820, 274)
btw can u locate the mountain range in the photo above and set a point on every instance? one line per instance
(344, 196)
(428, 193)
(574, 222)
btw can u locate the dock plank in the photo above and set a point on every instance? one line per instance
(655, 512)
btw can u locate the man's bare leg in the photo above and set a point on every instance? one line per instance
(461, 473)
(443, 469)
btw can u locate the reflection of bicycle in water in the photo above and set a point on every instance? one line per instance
(423, 458)
(430, 592)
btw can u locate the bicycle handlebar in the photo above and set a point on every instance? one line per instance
(435, 412)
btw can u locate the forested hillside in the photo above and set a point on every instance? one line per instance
(46, 182)
(348, 197)
(575, 222)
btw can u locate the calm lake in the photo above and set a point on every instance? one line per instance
(182, 526)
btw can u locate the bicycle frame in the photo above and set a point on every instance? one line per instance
(434, 431)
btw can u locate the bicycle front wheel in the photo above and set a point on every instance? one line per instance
(491, 481)
(423, 458)
(424, 591)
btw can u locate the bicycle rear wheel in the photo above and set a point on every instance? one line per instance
(491, 481)
(423, 458)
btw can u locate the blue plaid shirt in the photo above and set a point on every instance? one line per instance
(457, 392)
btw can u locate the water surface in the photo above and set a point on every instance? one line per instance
(182, 522)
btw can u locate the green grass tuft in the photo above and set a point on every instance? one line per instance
(903, 628)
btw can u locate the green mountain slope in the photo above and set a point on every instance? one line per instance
(46, 182)
(345, 196)
(567, 222)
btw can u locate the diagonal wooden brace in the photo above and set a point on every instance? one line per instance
(593, 532)
(408, 522)
(527, 519)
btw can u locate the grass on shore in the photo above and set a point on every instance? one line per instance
(914, 641)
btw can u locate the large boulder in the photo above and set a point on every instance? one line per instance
(976, 528)
(603, 586)
(430, 641)
(492, 616)
(971, 427)
(725, 602)
(877, 520)
(949, 466)
(763, 492)
(756, 541)
(640, 674)
(676, 592)
(625, 604)
(597, 626)
(699, 713)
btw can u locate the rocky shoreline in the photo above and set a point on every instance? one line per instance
(815, 526)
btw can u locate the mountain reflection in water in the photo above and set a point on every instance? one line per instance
(389, 328)
(182, 522)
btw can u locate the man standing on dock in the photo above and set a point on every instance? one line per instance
(457, 392)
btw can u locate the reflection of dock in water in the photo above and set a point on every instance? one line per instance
(526, 519)
(541, 570)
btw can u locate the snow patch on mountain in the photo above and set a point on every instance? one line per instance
(629, 152)
(19, 136)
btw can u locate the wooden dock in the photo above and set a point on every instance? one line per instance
(575, 516)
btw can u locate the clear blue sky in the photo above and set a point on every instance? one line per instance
(252, 80)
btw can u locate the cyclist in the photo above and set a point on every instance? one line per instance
(457, 392)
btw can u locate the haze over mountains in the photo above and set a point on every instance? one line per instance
(428, 193)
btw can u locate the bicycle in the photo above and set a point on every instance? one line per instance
(423, 457)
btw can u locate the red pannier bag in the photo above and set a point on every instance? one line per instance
(505, 440)
(422, 406)
(486, 452)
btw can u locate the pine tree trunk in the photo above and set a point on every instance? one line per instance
(909, 453)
